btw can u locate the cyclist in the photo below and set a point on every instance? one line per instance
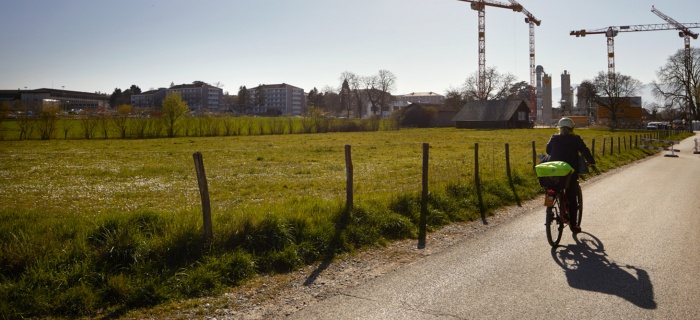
(566, 147)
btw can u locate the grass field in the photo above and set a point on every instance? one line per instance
(102, 226)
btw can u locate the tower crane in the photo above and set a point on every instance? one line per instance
(480, 6)
(684, 31)
(686, 34)
(531, 21)
(611, 33)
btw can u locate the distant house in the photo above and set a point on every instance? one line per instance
(628, 114)
(427, 115)
(493, 114)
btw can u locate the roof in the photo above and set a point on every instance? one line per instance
(422, 94)
(489, 110)
(439, 106)
(273, 86)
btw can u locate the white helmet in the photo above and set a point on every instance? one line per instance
(566, 122)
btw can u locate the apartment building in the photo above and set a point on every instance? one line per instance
(279, 99)
(152, 99)
(199, 96)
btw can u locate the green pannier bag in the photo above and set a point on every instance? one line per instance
(553, 169)
(554, 174)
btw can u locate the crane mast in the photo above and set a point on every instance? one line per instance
(531, 21)
(686, 34)
(480, 6)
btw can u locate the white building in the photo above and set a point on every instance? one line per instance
(283, 99)
(401, 101)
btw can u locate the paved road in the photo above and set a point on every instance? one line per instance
(637, 258)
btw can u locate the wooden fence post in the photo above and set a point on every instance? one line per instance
(534, 156)
(423, 223)
(476, 164)
(619, 150)
(510, 178)
(612, 145)
(604, 146)
(204, 193)
(349, 176)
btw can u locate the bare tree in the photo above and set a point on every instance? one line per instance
(378, 89)
(66, 126)
(25, 121)
(369, 85)
(88, 124)
(497, 85)
(47, 121)
(386, 83)
(119, 120)
(355, 84)
(611, 92)
(679, 82)
(454, 99)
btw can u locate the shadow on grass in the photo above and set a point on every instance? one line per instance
(482, 207)
(515, 192)
(336, 245)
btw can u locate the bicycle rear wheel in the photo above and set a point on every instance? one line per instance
(553, 222)
(579, 212)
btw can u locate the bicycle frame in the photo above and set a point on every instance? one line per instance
(557, 212)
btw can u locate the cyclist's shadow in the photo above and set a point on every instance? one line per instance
(587, 268)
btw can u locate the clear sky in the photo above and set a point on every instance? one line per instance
(430, 45)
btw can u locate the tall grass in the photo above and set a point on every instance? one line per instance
(103, 226)
(107, 126)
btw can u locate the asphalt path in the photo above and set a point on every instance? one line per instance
(637, 258)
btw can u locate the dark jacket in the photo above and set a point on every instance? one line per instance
(566, 147)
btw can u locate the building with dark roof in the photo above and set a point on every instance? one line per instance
(493, 114)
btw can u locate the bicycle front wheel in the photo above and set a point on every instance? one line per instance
(579, 212)
(553, 222)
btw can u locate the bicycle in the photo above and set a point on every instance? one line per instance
(554, 177)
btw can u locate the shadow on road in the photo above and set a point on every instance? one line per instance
(587, 267)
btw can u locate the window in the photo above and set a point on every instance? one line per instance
(522, 116)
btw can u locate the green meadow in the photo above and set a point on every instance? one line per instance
(96, 227)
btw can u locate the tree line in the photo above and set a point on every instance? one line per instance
(677, 87)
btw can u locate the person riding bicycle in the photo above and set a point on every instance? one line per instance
(566, 147)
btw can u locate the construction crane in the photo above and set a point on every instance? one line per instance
(531, 21)
(686, 34)
(684, 31)
(611, 33)
(480, 6)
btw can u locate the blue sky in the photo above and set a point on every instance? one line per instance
(430, 45)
